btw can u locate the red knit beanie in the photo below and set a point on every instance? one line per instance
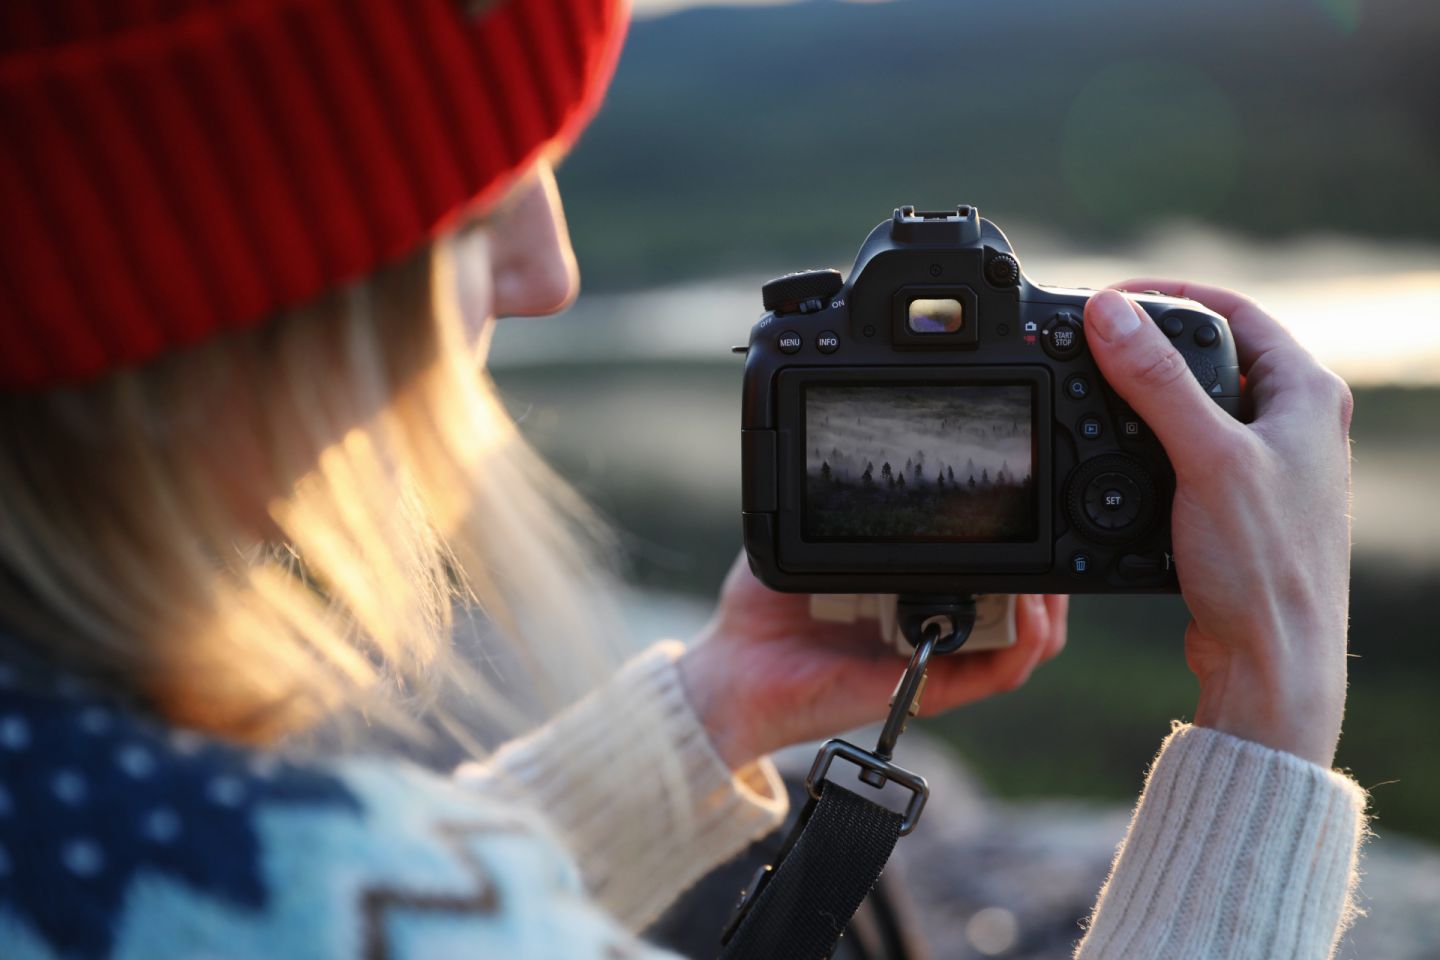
(170, 169)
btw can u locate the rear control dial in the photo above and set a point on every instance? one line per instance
(1111, 499)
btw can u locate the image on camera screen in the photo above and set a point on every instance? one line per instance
(919, 462)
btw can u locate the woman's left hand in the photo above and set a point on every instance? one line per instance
(764, 675)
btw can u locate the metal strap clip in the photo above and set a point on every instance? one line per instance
(876, 767)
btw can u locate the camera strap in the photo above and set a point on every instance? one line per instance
(799, 907)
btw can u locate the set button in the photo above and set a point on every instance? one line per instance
(1112, 501)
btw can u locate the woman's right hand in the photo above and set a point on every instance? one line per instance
(1260, 524)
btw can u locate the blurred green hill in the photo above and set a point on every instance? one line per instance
(742, 138)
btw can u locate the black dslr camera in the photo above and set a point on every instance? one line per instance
(935, 425)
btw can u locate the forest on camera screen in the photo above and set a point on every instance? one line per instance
(923, 462)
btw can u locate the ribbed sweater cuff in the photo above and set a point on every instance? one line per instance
(631, 780)
(1235, 850)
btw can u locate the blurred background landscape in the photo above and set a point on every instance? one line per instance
(1290, 149)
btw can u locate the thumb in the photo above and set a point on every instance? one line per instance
(1145, 369)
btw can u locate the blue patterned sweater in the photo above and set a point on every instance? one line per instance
(121, 839)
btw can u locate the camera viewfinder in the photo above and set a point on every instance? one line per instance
(936, 316)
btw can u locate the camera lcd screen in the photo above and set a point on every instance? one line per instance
(936, 316)
(919, 462)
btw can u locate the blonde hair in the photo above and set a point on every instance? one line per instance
(398, 489)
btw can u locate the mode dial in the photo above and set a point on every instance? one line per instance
(803, 292)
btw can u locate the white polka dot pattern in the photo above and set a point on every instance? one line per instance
(135, 760)
(95, 720)
(83, 857)
(69, 787)
(14, 733)
(227, 791)
(161, 825)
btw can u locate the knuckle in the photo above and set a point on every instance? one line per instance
(1331, 394)
(1158, 367)
(1342, 400)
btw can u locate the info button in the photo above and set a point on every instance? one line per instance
(827, 342)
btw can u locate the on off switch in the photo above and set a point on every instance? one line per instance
(802, 292)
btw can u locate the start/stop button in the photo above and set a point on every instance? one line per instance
(1063, 337)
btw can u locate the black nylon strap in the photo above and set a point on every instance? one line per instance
(830, 862)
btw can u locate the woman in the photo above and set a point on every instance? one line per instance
(250, 470)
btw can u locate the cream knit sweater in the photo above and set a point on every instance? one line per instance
(122, 838)
(1235, 850)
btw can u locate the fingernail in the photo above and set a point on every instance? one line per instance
(1032, 609)
(1111, 316)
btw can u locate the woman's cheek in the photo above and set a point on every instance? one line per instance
(474, 283)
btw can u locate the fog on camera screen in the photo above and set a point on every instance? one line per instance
(919, 462)
(936, 316)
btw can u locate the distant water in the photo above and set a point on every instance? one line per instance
(1369, 309)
